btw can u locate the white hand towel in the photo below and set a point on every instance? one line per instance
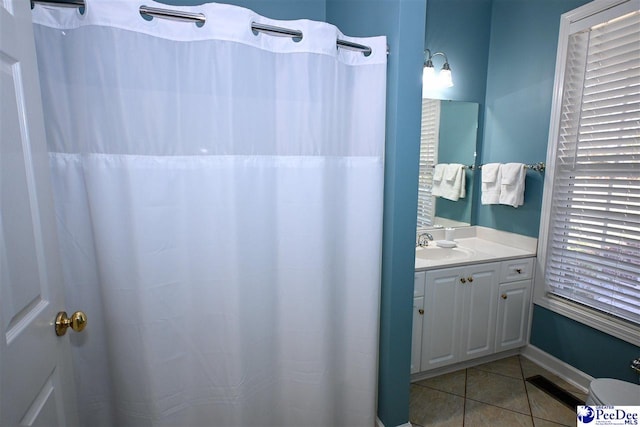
(451, 171)
(512, 184)
(491, 182)
(438, 174)
(460, 181)
(453, 189)
(438, 171)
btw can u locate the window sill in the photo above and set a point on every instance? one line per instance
(599, 321)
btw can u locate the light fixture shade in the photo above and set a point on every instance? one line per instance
(444, 78)
(429, 79)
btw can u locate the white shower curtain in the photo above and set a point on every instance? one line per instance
(219, 201)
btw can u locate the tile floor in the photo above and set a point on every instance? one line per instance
(494, 394)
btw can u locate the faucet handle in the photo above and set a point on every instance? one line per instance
(423, 239)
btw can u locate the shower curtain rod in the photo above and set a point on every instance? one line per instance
(178, 15)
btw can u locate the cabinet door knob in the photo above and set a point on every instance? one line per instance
(421, 311)
(503, 296)
(463, 280)
(519, 270)
(470, 279)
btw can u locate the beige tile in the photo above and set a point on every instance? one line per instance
(530, 369)
(546, 407)
(481, 415)
(453, 382)
(498, 390)
(537, 422)
(509, 366)
(435, 408)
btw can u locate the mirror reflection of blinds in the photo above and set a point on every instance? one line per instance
(429, 134)
(593, 256)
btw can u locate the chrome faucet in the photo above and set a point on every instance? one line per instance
(423, 239)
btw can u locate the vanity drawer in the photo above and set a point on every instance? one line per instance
(418, 284)
(517, 269)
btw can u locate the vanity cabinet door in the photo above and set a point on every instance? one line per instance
(418, 284)
(443, 301)
(513, 315)
(416, 334)
(479, 313)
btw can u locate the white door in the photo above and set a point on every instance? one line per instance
(36, 382)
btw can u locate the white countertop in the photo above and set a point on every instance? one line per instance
(474, 245)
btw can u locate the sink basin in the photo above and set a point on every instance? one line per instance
(435, 253)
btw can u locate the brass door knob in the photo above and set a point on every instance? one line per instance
(503, 296)
(470, 279)
(519, 270)
(421, 311)
(77, 322)
(463, 280)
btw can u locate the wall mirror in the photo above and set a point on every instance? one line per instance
(448, 135)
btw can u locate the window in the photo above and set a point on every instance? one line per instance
(590, 233)
(428, 157)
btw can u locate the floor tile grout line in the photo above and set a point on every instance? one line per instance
(464, 402)
(437, 389)
(500, 407)
(526, 391)
(497, 373)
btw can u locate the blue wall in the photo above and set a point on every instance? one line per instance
(460, 29)
(522, 56)
(583, 347)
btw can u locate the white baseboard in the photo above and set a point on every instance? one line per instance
(379, 424)
(565, 371)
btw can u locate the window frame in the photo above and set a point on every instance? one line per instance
(583, 17)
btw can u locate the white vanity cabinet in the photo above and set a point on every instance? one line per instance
(459, 314)
(465, 312)
(418, 314)
(513, 304)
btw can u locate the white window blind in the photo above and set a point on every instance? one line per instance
(593, 241)
(429, 134)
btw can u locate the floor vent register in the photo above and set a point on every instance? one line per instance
(555, 391)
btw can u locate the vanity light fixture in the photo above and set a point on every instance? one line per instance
(429, 78)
